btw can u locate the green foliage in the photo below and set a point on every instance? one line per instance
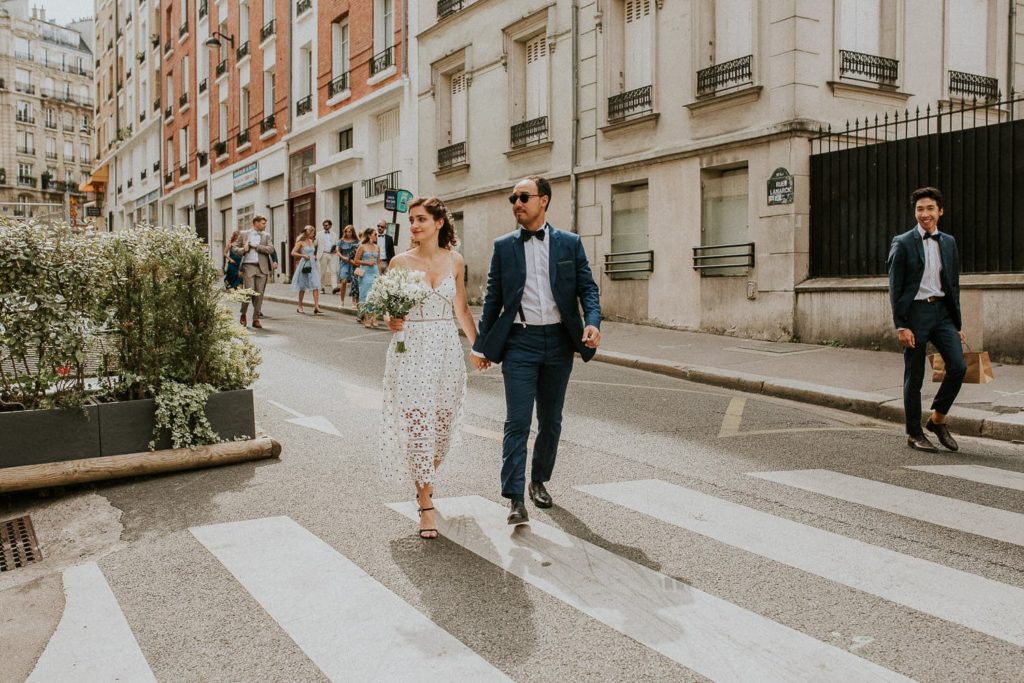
(181, 410)
(145, 305)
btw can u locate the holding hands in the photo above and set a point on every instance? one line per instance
(479, 363)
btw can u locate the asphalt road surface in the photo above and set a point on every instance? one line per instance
(697, 534)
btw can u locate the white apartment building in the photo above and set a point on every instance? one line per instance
(661, 124)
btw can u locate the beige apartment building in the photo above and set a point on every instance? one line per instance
(45, 114)
(675, 130)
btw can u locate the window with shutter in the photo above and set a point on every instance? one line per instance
(457, 132)
(387, 142)
(968, 36)
(734, 30)
(860, 26)
(637, 42)
(537, 78)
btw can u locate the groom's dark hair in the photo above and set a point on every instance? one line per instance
(543, 186)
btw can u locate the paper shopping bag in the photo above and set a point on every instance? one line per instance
(938, 367)
(979, 367)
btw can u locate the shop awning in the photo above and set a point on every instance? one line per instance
(97, 181)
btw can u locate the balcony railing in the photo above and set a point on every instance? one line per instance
(338, 85)
(267, 30)
(452, 155)
(267, 124)
(202, 85)
(182, 100)
(26, 181)
(373, 187)
(530, 132)
(382, 60)
(220, 148)
(68, 127)
(731, 74)
(22, 117)
(52, 125)
(242, 138)
(156, 167)
(242, 51)
(26, 88)
(183, 171)
(169, 112)
(973, 86)
(25, 149)
(169, 178)
(715, 257)
(143, 174)
(862, 67)
(302, 5)
(628, 265)
(222, 68)
(22, 56)
(131, 182)
(142, 116)
(446, 8)
(156, 104)
(202, 157)
(183, 31)
(304, 105)
(631, 103)
(52, 156)
(203, 9)
(168, 46)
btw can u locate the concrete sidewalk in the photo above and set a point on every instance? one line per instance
(865, 382)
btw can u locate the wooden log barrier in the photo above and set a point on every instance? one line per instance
(66, 472)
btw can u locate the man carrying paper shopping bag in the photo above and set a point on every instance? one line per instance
(924, 288)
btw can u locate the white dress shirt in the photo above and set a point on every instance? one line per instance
(538, 300)
(324, 242)
(253, 256)
(931, 282)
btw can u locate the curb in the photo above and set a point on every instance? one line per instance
(968, 421)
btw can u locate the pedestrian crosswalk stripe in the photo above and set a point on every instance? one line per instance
(700, 631)
(348, 624)
(960, 597)
(993, 476)
(93, 641)
(1000, 525)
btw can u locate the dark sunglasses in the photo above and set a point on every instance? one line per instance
(522, 197)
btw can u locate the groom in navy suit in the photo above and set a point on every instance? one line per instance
(924, 288)
(538, 281)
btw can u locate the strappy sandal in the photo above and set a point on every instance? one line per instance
(424, 533)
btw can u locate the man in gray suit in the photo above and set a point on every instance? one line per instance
(255, 249)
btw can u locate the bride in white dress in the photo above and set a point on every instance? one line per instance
(425, 386)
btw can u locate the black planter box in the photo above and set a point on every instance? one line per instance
(33, 437)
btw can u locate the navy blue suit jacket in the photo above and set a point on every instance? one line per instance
(572, 285)
(906, 269)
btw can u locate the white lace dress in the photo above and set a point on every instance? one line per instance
(424, 391)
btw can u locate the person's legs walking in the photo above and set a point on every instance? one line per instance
(946, 340)
(551, 386)
(519, 369)
(248, 272)
(259, 283)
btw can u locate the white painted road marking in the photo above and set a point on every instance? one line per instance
(700, 631)
(317, 422)
(993, 476)
(975, 602)
(349, 625)
(285, 408)
(1000, 525)
(93, 641)
(733, 417)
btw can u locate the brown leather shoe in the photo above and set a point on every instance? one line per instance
(921, 443)
(257, 324)
(942, 431)
(241, 320)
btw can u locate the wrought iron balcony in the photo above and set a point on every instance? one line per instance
(26, 88)
(52, 125)
(220, 148)
(268, 124)
(142, 116)
(973, 86)
(202, 85)
(724, 76)
(242, 138)
(156, 104)
(373, 187)
(530, 132)
(143, 174)
(156, 167)
(131, 182)
(268, 30)
(382, 60)
(183, 31)
(52, 156)
(338, 85)
(183, 171)
(169, 112)
(304, 105)
(862, 67)
(203, 9)
(446, 8)
(24, 117)
(25, 149)
(302, 5)
(26, 181)
(182, 100)
(631, 103)
(222, 68)
(242, 51)
(169, 178)
(203, 157)
(120, 189)
(168, 46)
(452, 155)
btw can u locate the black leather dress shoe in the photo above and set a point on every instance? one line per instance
(517, 513)
(921, 443)
(539, 495)
(942, 431)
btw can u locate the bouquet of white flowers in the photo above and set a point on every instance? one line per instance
(394, 294)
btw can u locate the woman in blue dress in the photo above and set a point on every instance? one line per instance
(306, 277)
(367, 267)
(347, 246)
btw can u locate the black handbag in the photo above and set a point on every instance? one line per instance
(307, 269)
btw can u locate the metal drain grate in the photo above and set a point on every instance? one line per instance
(18, 545)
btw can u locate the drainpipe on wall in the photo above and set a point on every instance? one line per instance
(1012, 53)
(573, 180)
(405, 38)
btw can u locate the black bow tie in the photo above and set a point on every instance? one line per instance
(528, 234)
(933, 236)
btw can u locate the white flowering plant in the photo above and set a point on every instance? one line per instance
(394, 294)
